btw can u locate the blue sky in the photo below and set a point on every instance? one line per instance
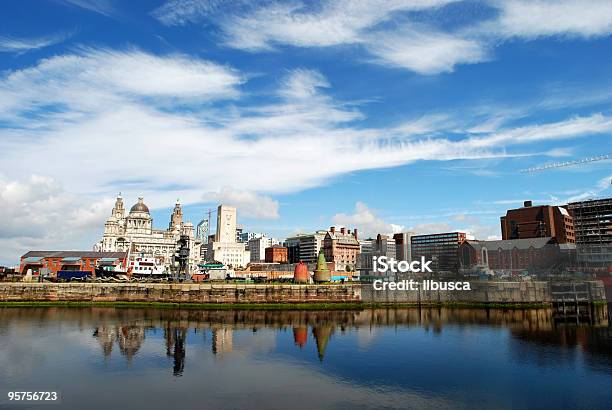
(384, 115)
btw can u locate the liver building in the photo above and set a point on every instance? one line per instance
(135, 233)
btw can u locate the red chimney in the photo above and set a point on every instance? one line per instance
(355, 233)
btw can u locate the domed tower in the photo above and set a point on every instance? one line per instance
(139, 220)
(176, 220)
(300, 274)
(322, 274)
(118, 209)
(113, 226)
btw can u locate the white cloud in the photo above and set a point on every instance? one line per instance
(38, 214)
(424, 52)
(538, 18)
(104, 135)
(20, 45)
(385, 29)
(99, 79)
(294, 23)
(366, 221)
(248, 204)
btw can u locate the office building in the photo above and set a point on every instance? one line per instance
(305, 247)
(593, 230)
(402, 246)
(225, 249)
(538, 222)
(257, 247)
(440, 248)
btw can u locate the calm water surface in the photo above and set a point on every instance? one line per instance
(116, 358)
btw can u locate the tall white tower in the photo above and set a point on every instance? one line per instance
(226, 224)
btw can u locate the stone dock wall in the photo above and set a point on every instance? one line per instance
(482, 292)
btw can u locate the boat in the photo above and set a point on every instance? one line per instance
(144, 267)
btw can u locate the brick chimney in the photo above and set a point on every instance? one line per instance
(342, 231)
(355, 233)
(332, 229)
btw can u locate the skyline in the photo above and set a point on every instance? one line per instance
(384, 115)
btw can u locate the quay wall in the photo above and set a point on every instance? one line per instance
(481, 292)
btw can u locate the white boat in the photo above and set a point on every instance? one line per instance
(146, 267)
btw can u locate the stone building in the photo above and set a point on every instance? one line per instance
(341, 248)
(134, 233)
(225, 249)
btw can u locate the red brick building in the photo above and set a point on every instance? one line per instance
(538, 222)
(276, 254)
(516, 256)
(50, 262)
(341, 248)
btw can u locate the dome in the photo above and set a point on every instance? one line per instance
(140, 207)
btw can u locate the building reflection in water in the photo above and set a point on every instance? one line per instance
(129, 338)
(321, 335)
(300, 336)
(222, 340)
(532, 326)
(175, 338)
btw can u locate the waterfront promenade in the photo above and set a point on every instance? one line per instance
(486, 292)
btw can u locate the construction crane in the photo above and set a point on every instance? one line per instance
(566, 164)
(203, 228)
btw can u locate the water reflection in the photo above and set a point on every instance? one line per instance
(393, 358)
(127, 328)
(129, 338)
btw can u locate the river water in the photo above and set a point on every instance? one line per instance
(131, 358)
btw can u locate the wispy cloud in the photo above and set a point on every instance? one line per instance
(387, 30)
(104, 7)
(181, 12)
(19, 45)
(179, 127)
(424, 51)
